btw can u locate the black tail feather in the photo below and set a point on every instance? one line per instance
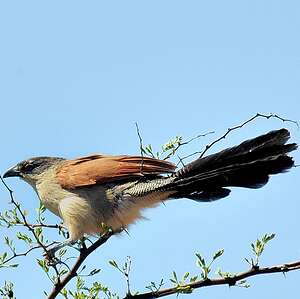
(205, 196)
(246, 165)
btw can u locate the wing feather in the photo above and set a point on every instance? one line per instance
(97, 169)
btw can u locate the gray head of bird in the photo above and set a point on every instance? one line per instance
(31, 170)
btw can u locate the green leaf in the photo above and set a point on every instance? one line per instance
(38, 231)
(266, 238)
(224, 274)
(259, 246)
(194, 278)
(113, 263)
(43, 265)
(174, 278)
(95, 271)
(186, 275)
(3, 257)
(14, 265)
(218, 254)
(24, 237)
(80, 283)
(200, 261)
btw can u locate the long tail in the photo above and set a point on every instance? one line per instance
(247, 165)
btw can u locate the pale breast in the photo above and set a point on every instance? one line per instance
(50, 195)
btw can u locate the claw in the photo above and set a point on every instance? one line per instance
(50, 258)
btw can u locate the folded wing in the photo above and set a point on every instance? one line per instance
(97, 169)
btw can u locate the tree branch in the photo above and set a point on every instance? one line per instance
(84, 253)
(15, 255)
(230, 281)
(25, 223)
(229, 130)
(257, 115)
(141, 146)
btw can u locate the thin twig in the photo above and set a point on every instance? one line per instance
(126, 273)
(257, 115)
(181, 159)
(26, 224)
(15, 255)
(179, 145)
(35, 225)
(230, 281)
(141, 147)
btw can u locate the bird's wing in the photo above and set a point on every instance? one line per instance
(94, 169)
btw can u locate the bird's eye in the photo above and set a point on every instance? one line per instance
(28, 167)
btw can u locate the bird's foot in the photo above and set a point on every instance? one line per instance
(49, 255)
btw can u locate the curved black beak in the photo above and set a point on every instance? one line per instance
(12, 172)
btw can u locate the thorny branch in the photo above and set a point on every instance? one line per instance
(230, 281)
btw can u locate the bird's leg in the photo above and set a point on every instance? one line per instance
(50, 254)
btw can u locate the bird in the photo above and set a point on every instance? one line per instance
(95, 192)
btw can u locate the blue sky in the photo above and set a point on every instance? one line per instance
(75, 76)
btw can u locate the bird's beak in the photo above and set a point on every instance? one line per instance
(14, 171)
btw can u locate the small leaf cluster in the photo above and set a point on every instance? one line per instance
(4, 258)
(125, 269)
(182, 284)
(40, 213)
(258, 248)
(7, 291)
(168, 149)
(88, 292)
(155, 287)
(206, 267)
(10, 218)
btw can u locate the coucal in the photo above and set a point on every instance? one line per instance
(113, 190)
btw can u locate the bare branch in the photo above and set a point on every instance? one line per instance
(229, 130)
(257, 115)
(141, 147)
(43, 225)
(230, 281)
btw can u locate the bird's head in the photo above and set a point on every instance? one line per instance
(33, 169)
